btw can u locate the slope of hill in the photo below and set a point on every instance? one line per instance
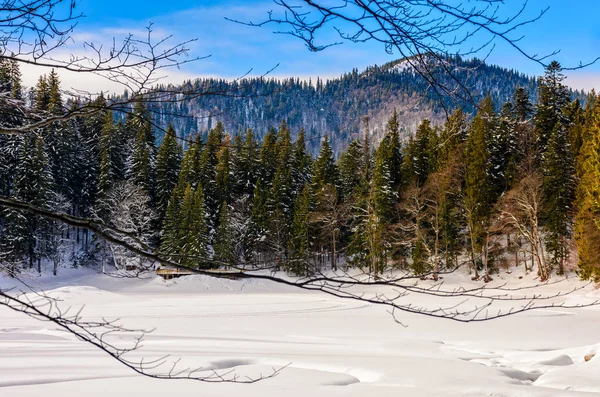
(335, 107)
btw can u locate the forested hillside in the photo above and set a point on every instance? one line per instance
(337, 107)
(515, 185)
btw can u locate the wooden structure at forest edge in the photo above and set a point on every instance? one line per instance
(168, 274)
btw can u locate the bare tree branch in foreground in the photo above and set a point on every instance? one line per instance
(98, 334)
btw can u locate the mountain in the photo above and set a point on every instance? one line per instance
(335, 107)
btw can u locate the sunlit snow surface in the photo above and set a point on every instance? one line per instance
(331, 346)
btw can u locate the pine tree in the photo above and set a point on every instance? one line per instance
(223, 177)
(88, 170)
(384, 196)
(170, 231)
(301, 164)
(106, 177)
(33, 184)
(324, 169)
(55, 103)
(394, 149)
(168, 161)
(268, 157)
(351, 170)
(417, 162)
(587, 221)
(193, 233)
(142, 168)
(453, 135)
(554, 98)
(299, 244)
(10, 87)
(225, 251)
(576, 115)
(259, 221)
(208, 173)
(41, 95)
(558, 194)
(246, 166)
(478, 190)
(189, 172)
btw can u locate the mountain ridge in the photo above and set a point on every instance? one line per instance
(336, 107)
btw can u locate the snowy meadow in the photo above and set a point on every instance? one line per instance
(324, 346)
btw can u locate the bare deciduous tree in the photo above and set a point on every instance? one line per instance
(519, 210)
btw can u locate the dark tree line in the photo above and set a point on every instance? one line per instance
(513, 185)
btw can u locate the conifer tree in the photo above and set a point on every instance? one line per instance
(478, 190)
(351, 170)
(142, 168)
(223, 179)
(41, 95)
(55, 103)
(168, 161)
(417, 162)
(299, 244)
(301, 164)
(259, 221)
(576, 115)
(554, 98)
(170, 231)
(224, 241)
(246, 166)
(587, 221)
(558, 194)
(106, 177)
(189, 172)
(193, 233)
(33, 184)
(208, 173)
(88, 170)
(453, 135)
(268, 157)
(394, 150)
(324, 169)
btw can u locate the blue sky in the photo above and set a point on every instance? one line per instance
(571, 27)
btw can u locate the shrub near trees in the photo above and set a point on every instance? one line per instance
(517, 183)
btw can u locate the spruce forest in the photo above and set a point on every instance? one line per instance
(497, 185)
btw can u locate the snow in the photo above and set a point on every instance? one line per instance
(331, 346)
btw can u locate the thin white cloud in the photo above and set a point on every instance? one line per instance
(584, 80)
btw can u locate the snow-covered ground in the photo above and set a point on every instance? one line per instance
(331, 346)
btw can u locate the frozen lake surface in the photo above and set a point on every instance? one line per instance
(331, 346)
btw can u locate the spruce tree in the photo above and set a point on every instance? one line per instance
(193, 235)
(142, 166)
(246, 167)
(478, 189)
(301, 164)
(351, 170)
(268, 157)
(106, 177)
(299, 244)
(223, 178)
(554, 98)
(225, 251)
(587, 220)
(324, 169)
(208, 173)
(168, 161)
(394, 149)
(558, 194)
(417, 162)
